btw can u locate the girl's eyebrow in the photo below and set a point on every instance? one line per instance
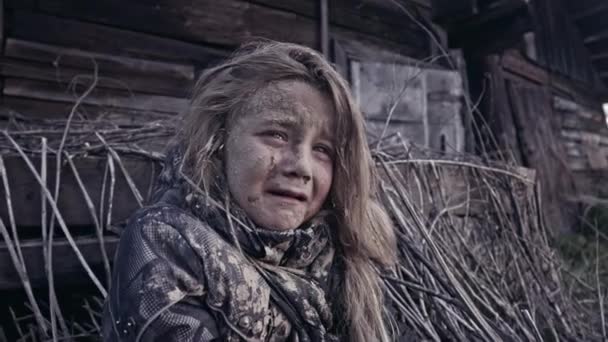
(290, 122)
(284, 121)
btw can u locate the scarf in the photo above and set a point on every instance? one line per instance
(297, 265)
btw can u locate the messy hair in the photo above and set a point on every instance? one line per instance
(364, 232)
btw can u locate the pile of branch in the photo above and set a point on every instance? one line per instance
(83, 136)
(38, 141)
(476, 262)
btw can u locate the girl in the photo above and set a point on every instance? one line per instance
(263, 226)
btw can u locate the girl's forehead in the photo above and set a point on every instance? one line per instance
(294, 102)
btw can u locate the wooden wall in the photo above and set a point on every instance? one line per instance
(580, 122)
(584, 132)
(148, 53)
(548, 122)
(559, 44)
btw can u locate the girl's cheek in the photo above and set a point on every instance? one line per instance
(324, 176)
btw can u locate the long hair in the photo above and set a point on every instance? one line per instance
(364, 232)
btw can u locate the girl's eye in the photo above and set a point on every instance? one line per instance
(277, 135)
(324, 149)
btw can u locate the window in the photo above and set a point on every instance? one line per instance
(399, 96)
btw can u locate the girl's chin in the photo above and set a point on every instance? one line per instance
(276, 221)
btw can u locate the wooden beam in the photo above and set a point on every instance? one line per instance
(2, 38)
(99, 97)
(517, 64)
(110, 40)
(62, 76)
(599, 56)
(226, 23)
(324, 19)
(66, 267)
(380, 19)
(55, 54)
(2, 24)
(50, 110)
(598, 36)
(588, 12)
(499, 113)
(524, 68)
(20, 4)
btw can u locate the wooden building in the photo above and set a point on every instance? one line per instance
(539, 68)
(524, 81)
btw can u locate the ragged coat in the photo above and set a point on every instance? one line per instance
(186, 271)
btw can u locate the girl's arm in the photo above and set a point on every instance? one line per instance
(157, 289)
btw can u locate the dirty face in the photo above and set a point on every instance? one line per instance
(279, 155)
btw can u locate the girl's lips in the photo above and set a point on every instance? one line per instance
(288, 194)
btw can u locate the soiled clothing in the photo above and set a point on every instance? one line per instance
(185, 271)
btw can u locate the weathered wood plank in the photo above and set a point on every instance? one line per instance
(378, 44)
(231, 22)
(25, 190)
(100, 97)
(577, 91)
(500, 115)
(578, 164)
(593, 124)
(44, 109)
(383, 21)
(227, 22)
(541, 148)
(580, 136)
(2, 25)
(62, 76)
(58, 55)
(20, 4)
(40, 109)
(109, 40)
(597, 156)
(2, 34)
(66, 267)
(574, 152)
(517, 64)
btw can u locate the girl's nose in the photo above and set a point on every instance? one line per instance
(297, 163)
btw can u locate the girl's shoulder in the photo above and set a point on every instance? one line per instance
(168, 217)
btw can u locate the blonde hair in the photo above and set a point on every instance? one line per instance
(364, 231)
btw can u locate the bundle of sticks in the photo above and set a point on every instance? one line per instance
(476, 260)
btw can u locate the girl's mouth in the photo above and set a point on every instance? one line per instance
(288, 194)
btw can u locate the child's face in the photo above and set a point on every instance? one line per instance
(279, 155)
